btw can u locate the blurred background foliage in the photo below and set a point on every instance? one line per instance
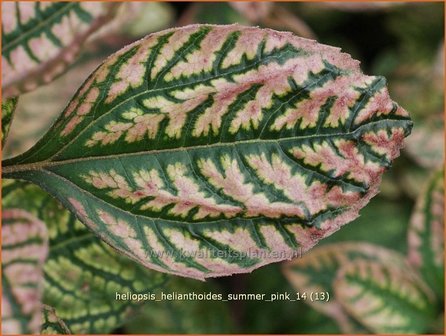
(401, 41)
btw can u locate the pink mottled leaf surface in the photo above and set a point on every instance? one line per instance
(41, 39)
(208, 150)
(81, 273)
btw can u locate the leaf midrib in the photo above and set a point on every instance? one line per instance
(17, 168)
(76, 239)
(265, 60)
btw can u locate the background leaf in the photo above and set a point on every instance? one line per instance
(82, 274)
(24, 249)
(40, 39)
(386, 299)
(426, 232)
(290, 317)
(269, 141)
(8, 108)
(316, 272)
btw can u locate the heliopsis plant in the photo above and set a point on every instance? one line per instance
(200, 151)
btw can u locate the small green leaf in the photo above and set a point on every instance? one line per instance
(316, 271)
(207, 150)
(24, 249)
(8, 108)
(386, 299)
(83, 274)
(426, 233)
(52, 324)
(41, 39)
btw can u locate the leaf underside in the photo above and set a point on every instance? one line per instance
(24, 249)
(82, 274)
(41, 39)
(211, 150)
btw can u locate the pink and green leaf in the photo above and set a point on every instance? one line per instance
(384, 298)
(316, 272)
(41, 39)
(211, 150)
(426, 233)
(81, 274)
(24, 250)
(8, 108)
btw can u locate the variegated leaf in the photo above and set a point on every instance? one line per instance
(426, 233)
(24, 249)
(386, 299)
(40, 39)
(52, 324)
(315, 272)
(211, 150)
(83, 274)
(8, 108)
